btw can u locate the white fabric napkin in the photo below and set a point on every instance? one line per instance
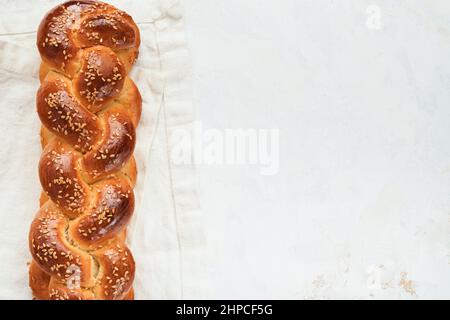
(165, 234)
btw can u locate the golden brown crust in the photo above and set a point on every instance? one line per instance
(38, 281)
(116, 148)
(59, 290)
(61, 113)
(116, 272)
(100, 78)
(52, 250)
(89, 109)
(111, 211)
(60, 178)
(75, 25)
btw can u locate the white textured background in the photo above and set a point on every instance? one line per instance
(363, 189)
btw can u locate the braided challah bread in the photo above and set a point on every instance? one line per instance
(89, 109)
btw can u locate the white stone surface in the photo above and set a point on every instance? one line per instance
(360, 206)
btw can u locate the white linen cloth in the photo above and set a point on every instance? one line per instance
(165, 234)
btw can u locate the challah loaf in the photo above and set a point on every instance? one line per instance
(89, 109)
